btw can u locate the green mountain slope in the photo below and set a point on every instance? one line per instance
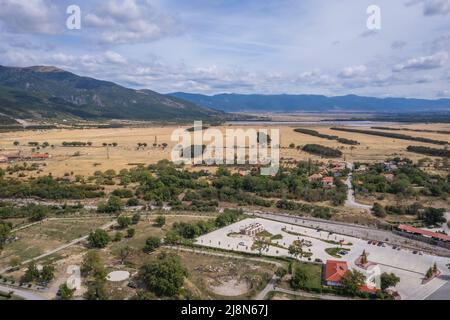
(49, 92)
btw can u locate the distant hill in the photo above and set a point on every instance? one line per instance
(313, 103)
(47, 92)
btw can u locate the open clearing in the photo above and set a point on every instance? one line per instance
(46, 236)
(87, 160)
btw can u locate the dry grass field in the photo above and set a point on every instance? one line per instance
(87, 160)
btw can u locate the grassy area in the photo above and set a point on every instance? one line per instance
(146, 228)
(313, 273)
(43, 237)
(335, 251)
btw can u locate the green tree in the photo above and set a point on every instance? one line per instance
(5, 230)
(125, 253)
(160, 221)
(388, 280)
(123, 222)
(114, 204)
(31, 274)
(93, 265)
(96, 291)
(352, 281)
(151, 244)
(296, 249)
(47, 273)
(136, 218)
(131, 232)
(118, 237)
(433, 216)
(98, 239)
(65, 292)
(164, 276)
(260, 244)
(133, 202)
(299, 278)
(378, 210)
(37, 212)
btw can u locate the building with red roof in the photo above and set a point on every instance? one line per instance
(334, 271)
(425, 233)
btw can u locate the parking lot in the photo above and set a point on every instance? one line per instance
(409, 266)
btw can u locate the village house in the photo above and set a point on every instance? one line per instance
(328, 182)
(334, 271)
(361, 168)
(390, 166)
(3, 159)
(389, 177)
(315, 177)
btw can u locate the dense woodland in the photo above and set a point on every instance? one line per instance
(408, 180)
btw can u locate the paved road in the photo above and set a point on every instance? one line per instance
(24, 294)
(270, 287)
(351, 202)
(443, 293)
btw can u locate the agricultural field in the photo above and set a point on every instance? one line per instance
(85, 160)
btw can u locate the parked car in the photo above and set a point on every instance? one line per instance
(318, 260)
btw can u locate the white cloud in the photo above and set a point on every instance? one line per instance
(130, 21)
(30, 16)
(352, 72)
(423, 63)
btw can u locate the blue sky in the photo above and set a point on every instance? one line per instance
(246, 46)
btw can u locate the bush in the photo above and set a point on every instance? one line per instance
(98, 239)
(152, 244)
(164, 276)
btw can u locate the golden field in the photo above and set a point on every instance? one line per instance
(87, 160)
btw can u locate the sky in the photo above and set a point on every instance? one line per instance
(239, 46)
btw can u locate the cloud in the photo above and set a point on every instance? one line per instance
(397, 45)
(423, 63)
(352, 72)
(441, 43)
(130, 21)
(31, 16)
(433, 7)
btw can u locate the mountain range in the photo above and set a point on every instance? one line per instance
(45, 92)
(285, 103)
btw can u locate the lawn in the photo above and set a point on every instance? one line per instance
(313, 273)
(335, 251)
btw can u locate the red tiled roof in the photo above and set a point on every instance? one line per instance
(335, 270)
(367, 289)
(436, 235)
